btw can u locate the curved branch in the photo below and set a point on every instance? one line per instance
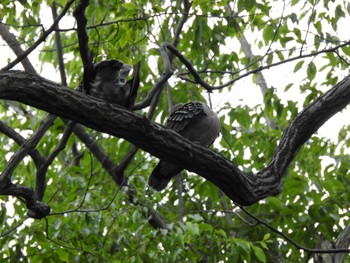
(198, 79)
(242, 188)
(36, 208)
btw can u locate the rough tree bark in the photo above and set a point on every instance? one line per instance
(241, 188)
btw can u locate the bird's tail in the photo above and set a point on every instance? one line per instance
(162, 175)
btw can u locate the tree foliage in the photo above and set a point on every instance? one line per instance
(280, 55)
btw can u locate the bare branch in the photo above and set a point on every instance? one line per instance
(28, 146)
(79, 14)
(189, 66)
(41, 173)
(167, 73)
(11, 133)
(208, 87)
(178, 30)
(3, 234)
(36, 208)
(242, 188)
(260, 80)
(58, 43)
(300, 247)
(11, 40)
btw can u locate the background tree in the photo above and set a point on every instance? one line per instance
(258, 64)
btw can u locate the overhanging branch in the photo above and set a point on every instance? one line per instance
(242, 188)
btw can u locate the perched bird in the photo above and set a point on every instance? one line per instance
(108, 82)
(196, 122)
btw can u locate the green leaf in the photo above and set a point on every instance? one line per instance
(311, 71)
(267, 236)
(346, 50)
(205, 227)
(268, 34)
(129, 6)
(298, 65)
(294, 2)
(280, 55)
(246, 5)
(288, 87)
(63, 255)
(259, 253)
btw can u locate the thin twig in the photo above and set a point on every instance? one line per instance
(64, 245)
(40, 40)
(12, 229)
(300, 247)
(208, 87)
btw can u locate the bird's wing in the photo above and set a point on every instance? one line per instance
(133, 86)
(182, 115)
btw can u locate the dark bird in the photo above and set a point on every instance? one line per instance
(108, 82)
(196, 122)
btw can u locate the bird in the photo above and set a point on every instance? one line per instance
(108, 82)
(194, 121)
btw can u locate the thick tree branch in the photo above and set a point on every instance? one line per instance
(37, 209)
(242, 188)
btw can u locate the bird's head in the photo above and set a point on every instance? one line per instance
(113, 71)
(123, 74)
